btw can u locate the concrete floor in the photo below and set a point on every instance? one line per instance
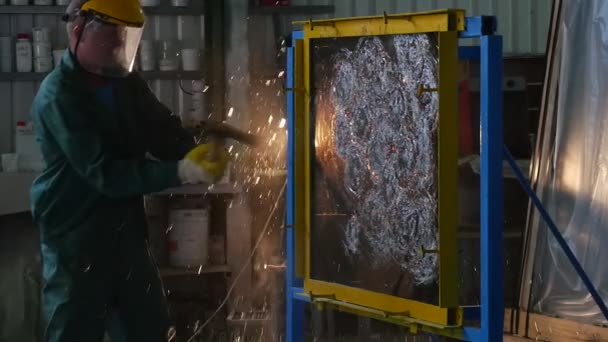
(20, 280)
(511, 338)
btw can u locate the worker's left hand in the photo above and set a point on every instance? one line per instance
(204, 164)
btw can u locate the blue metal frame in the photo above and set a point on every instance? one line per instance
(489, 53)
(491, 309)
(492, 301)
(469, 53)
(479, 26)
(295, 306)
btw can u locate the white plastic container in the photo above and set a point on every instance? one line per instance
(197, 111)
(148, 3)
(43, 2)
(43, 64)
(6, 44)
(226, 177)
(63, 2)
(180, 3)
(10, 162)
(28, 149)
(23, 53)
(168, 65)
(6, 63)
(41, 34)
(20, 2)
(188, 237)
(6, 54)
(191, 59)
(147, 59)
(169, 57)
(58, 56)
(42, 49)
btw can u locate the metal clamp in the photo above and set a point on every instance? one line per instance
(313, 296)
(318, 23)
(295, 89)
(422, 89)
(318, 300)
(428, 251)
(389, 314)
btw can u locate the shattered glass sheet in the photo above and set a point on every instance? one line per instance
(374, 201)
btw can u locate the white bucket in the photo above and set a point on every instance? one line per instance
(188, 237)
(147, 60)
(191, 59)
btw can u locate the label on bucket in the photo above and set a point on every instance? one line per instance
(172, 246)
(188, 237)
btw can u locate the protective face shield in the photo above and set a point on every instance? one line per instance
(112, 48)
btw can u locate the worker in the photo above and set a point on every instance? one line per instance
(106, 141)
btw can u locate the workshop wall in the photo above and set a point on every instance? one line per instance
(16, 97)
(523, 23)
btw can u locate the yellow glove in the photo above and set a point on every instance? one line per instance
(204, 164)
(210, 158)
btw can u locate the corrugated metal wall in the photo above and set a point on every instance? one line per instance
(523, 23)
(16, 97)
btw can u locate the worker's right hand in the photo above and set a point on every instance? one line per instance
(203, 165)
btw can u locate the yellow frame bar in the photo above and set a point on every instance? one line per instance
(300, 175)
(421, 22)
(446, 23)
(391, 306)
(448, 169)
(414, 325)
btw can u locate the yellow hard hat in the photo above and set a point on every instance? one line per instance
(119, 12)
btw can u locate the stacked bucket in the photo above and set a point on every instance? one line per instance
(6, 56)
(43, 57)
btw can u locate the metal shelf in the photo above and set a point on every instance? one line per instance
(148, 75)
(193, 271)
(202, 189)
(173, 75)
(291, 10)
(196, 9)
(11, 9)
(22, 76)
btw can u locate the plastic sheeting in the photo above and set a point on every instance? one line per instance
(573, 167)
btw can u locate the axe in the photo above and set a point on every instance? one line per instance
(217, 132)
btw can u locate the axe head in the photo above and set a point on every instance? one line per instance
(220, 131)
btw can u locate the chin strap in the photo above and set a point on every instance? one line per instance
(71, 18)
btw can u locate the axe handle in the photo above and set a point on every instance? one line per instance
(225, 131)
(218, 145)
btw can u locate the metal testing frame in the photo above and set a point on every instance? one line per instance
(490, 312)
(445, 24)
